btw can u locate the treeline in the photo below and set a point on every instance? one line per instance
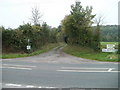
(109, 33)
(16, 40)
(77, 27)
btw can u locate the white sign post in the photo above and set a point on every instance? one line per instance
(28, 47)
(110, 48)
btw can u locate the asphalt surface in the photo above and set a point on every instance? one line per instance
(55, 69)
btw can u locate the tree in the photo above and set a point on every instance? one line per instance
(36, 16)
(96, 36)
(45, 32)
(109, 33)
(77, 25)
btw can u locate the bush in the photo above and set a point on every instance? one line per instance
(16, 40)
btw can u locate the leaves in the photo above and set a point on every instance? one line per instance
(77, 26)
(16, 40)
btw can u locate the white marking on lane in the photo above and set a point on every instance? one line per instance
(49, 87)
(83, 68)
(12, 66)
(17, 65)
(110, 69)
(18, 68)
(15, 85)
(39, 87)
(78, 69)
(25, 86)
(87, 71)
(30, 86)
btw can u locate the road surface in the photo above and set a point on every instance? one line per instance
(55, 69)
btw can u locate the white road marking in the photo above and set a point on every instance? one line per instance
(77, 69)
(18, 68)
(15, 85)
(110, 69)
(84, 71)
(83, 68)
(12, 66)
(27, 86)
(39, 87)
(30, 86)
(49, 87)
(17, 65)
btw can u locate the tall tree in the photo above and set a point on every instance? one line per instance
(36, 16)
(77, 25)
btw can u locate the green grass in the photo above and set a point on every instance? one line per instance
(88, 53)
(0, 56)
(103, 44)
(44, 49)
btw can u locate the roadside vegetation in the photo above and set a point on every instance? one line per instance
(83, 39)
(76, 29)
(88, 53)
(43, 49)
(109, 33)
(104, 44)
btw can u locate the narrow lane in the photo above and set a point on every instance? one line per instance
(57, 69)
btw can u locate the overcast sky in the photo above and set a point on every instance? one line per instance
(14, 12)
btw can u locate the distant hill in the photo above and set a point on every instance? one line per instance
(109, 33)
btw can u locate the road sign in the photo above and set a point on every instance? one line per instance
(110, 48)
(28, 47)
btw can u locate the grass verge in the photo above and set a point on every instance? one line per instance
(44, 49)
(88, 53)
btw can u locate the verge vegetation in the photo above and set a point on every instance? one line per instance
(43, 49)
(88, 53)
(103, 44)
(76, 29)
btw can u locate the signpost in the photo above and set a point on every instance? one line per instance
(28, 46)
(110, 48)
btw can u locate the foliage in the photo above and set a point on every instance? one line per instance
(16, 40)
(43, 49)
(119, 48)
(104, 44)
(78, 27)
(109, 33)
(60, 34)
(88, 53)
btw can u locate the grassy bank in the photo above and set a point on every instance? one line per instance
(45, 48)
(90, 54)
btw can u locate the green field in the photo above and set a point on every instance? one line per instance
(88, 53)
(45, 48)
(103, 44)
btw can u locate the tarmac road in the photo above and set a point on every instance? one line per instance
(55, 69)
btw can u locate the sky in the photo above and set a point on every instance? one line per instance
(16, 12)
